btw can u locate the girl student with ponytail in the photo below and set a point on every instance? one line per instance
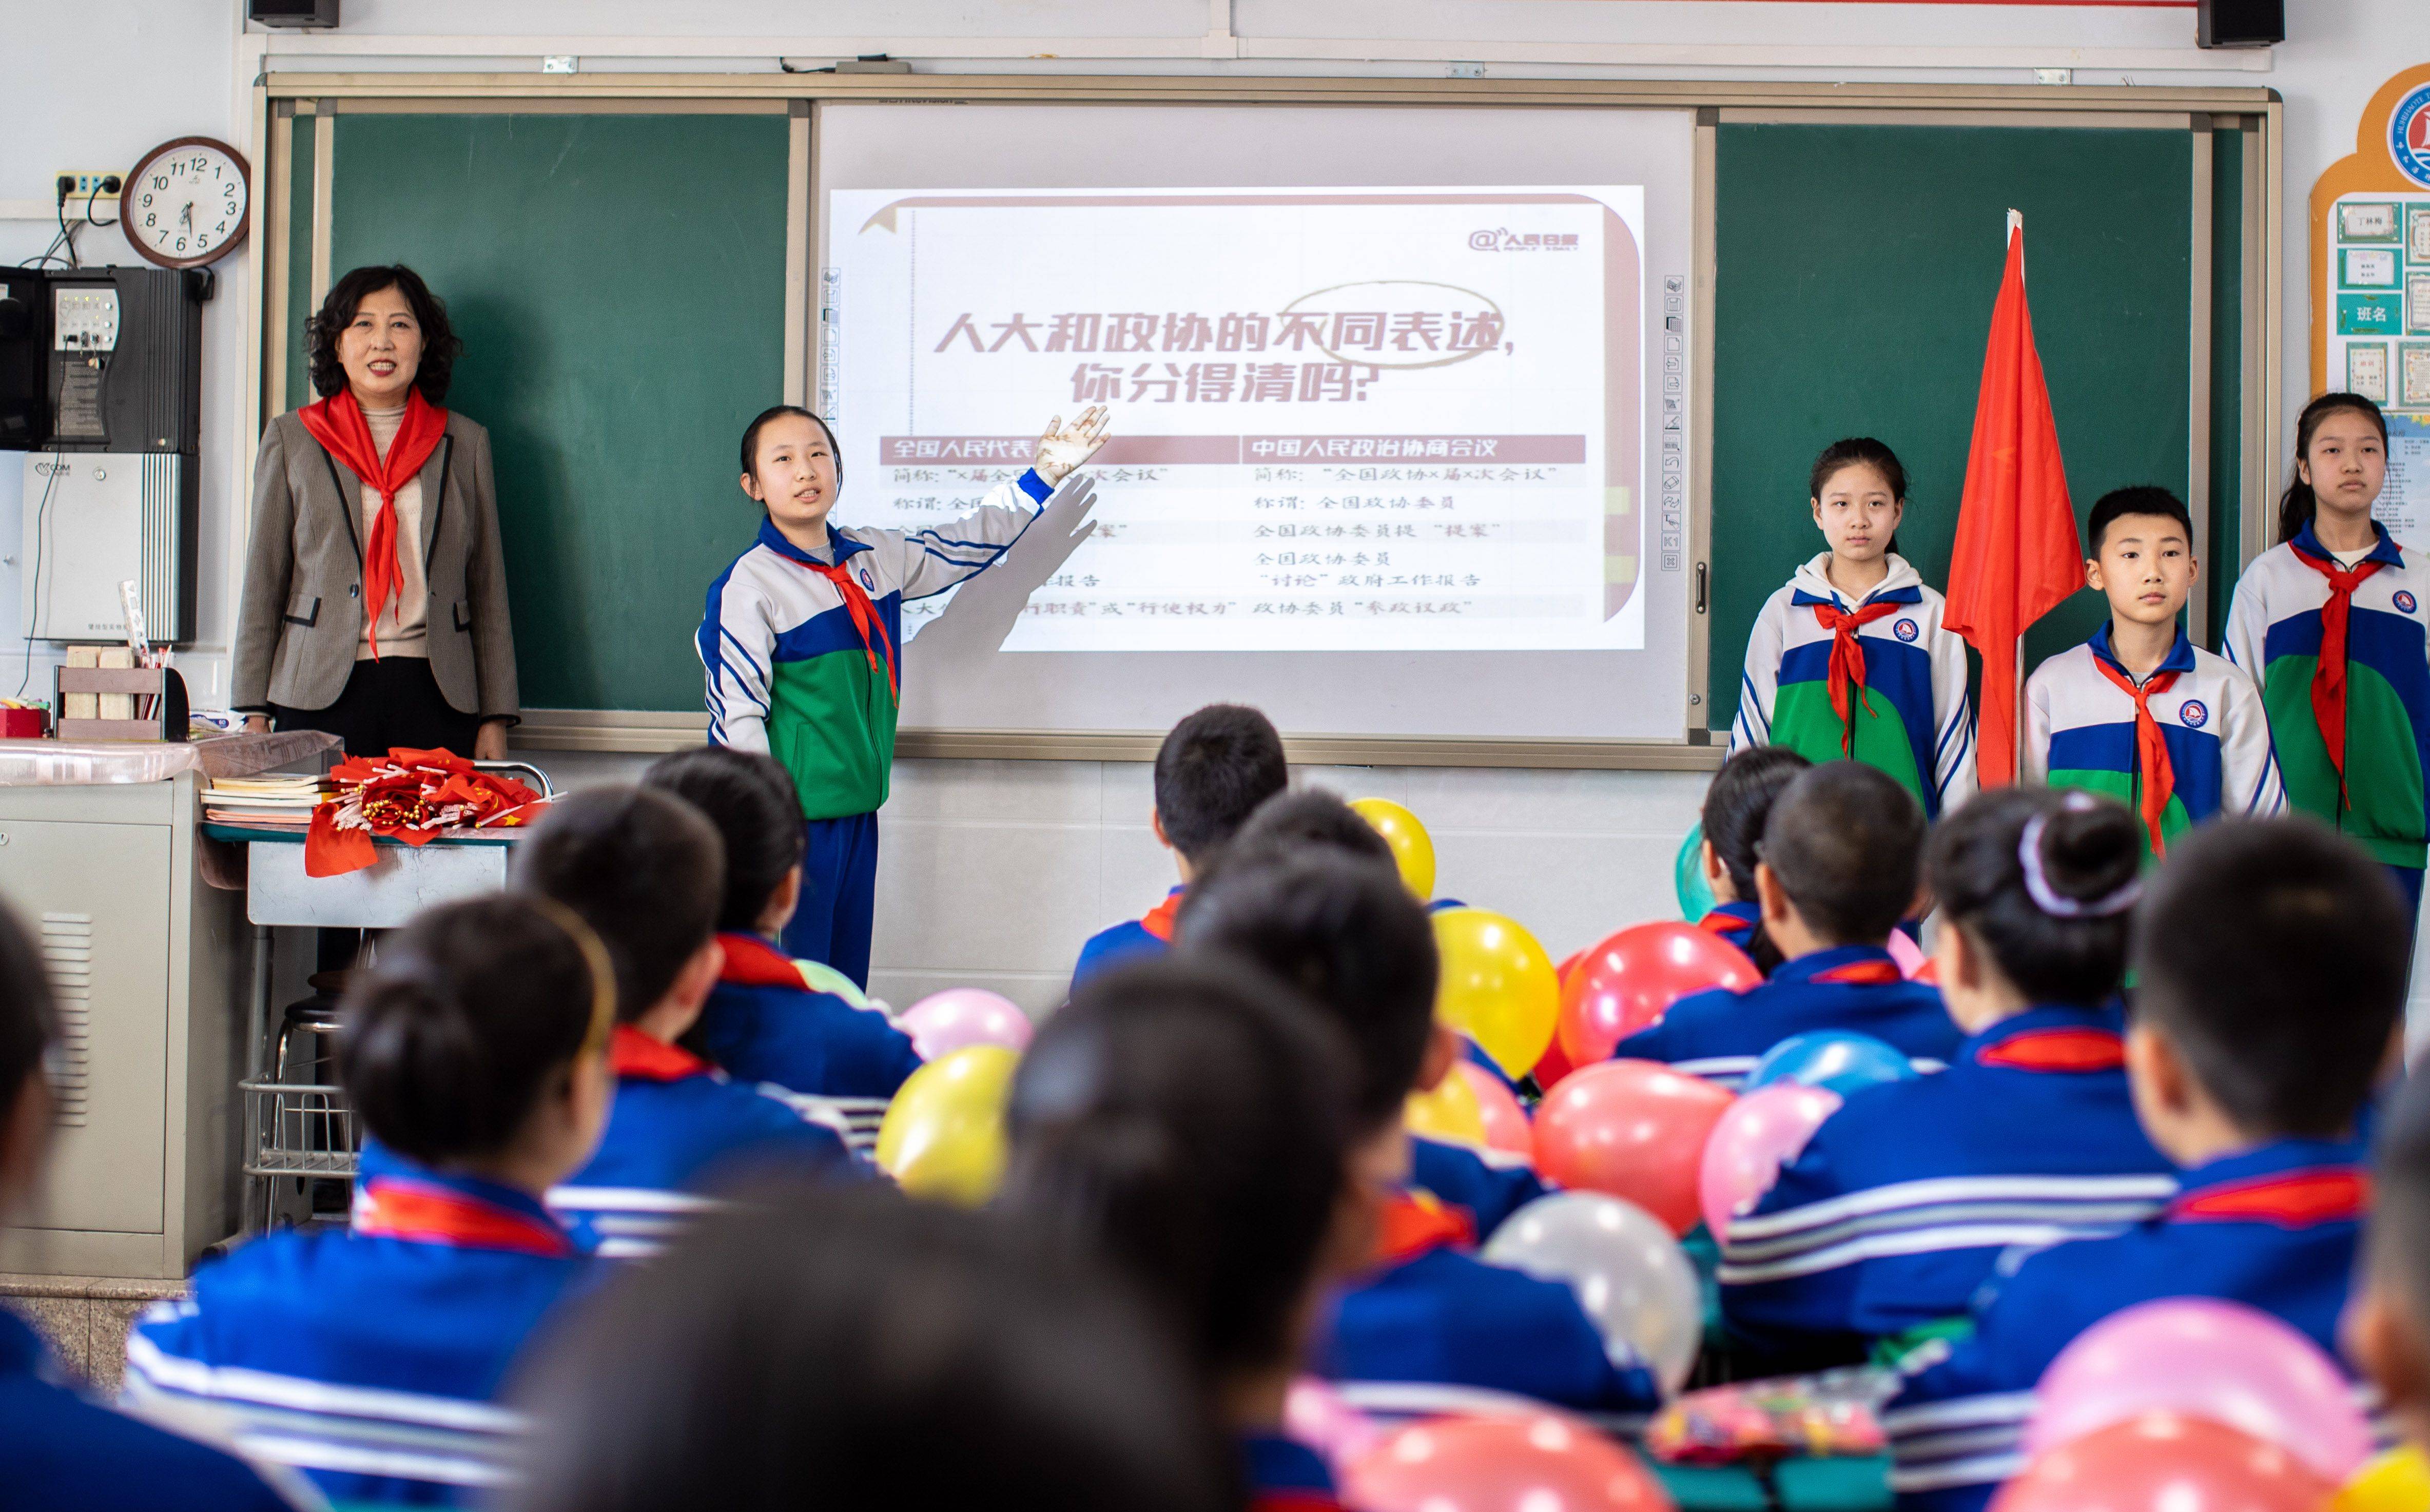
(1736, 808)
(372, 1357)
(2330, 623)
(802, 643)
(2028, 1136)
(1850, 658)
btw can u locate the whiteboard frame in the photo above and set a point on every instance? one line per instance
(607, 730)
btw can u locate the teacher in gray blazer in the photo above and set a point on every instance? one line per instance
(374, 589)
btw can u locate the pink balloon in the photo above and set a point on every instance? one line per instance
(1908, 955)
(960, 1017)
(1760, 1133)
(1505, 1123)
(2205, 1358)
(1539, 1462)
(1314, 1414)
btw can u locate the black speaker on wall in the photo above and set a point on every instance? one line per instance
(291, 12)
(2242, 23)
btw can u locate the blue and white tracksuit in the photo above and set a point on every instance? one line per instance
(1719, 1035)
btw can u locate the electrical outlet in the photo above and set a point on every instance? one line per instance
(97, 183)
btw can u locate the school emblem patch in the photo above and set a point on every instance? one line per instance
(867, 581)
(2406, 603)
(2409, 135)
(2192, 715)
(1906, 630)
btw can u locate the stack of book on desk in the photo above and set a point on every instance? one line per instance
(270, 802)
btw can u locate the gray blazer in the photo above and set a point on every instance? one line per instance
(302, 616)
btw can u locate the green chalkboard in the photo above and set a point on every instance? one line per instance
(618, 284)
(1856, 271)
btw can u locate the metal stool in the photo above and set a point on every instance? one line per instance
(300, 1124)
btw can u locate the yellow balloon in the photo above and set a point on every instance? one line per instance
(1450, 1113)
(1498, 987)
(2398, 1481)
(1413, 849)
(943, 1134)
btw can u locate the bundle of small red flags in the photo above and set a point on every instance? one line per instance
(409, 796)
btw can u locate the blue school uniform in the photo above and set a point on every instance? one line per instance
(1899, 1207)
(371, 1358)
(1284, 1476)
(1463, 1180)
(1432, 1315)
(1719, 1035)
(678, 1128)
(764, 1024)
(1151, 934)
(2274, 1228)
(60, 1453)
(1734, 922)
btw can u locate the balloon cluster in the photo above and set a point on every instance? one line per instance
(943, 1132)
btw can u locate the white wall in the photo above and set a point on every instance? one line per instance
(995, 872)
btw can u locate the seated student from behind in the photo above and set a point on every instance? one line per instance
(1212, 771)
(764, 1022)
(2270, 964)
(1315, 821)
(1736, 808)
(475, 1051)
(1179, 1120)
(817, 1345)
(2140, 713)
(1901, 1205)
(60, 1451)
(2387, 1326)
(1840, 854)
(642, 868)
(1422, 1310)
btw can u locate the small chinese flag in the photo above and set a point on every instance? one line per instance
(2017, 555)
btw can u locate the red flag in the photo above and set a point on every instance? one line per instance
(2017, 555)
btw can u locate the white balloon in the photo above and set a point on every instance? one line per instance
(1630, 1275)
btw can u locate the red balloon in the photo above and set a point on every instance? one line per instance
(1554, 1066)
(1568, 964)
(1632, 978)
(2165, 1462)
(1632, 1129)
(1539, 1462)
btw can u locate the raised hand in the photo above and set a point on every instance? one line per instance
(1062, 447)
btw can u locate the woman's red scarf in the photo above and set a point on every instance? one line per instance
(337, 422)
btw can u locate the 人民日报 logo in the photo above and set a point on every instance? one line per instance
(2409, 135)
(2192, 715)
(1906, 630)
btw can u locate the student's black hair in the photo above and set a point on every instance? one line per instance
(28, 1014)
(1851, 452)
(2297, 505)
(751, 799)
(1177, 1120)
(2400, 1213)
(467, 1019)
(1736, 806)
(1346, 932)
(441, 346)
(643, 869)
(1846, 843)
(2087, 853)
(2140, 499)
(1311, 818)
(1212, 771)
(810, 1344)
(751, 438)
(2273, 954)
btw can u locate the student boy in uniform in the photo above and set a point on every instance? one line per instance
(2139, 712)
(1212, 771)
(1841, 854)
(2270, 963)
(642, 868)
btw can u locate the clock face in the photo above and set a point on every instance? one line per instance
(186, 203)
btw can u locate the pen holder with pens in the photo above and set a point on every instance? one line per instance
(153, 700)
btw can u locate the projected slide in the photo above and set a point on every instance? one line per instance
(1345, 420)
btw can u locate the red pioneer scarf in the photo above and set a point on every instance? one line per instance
(2158, 773)
(397, 1208)
(1848, 660)
(2329, 676)
(864, 618)
(337, 422)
